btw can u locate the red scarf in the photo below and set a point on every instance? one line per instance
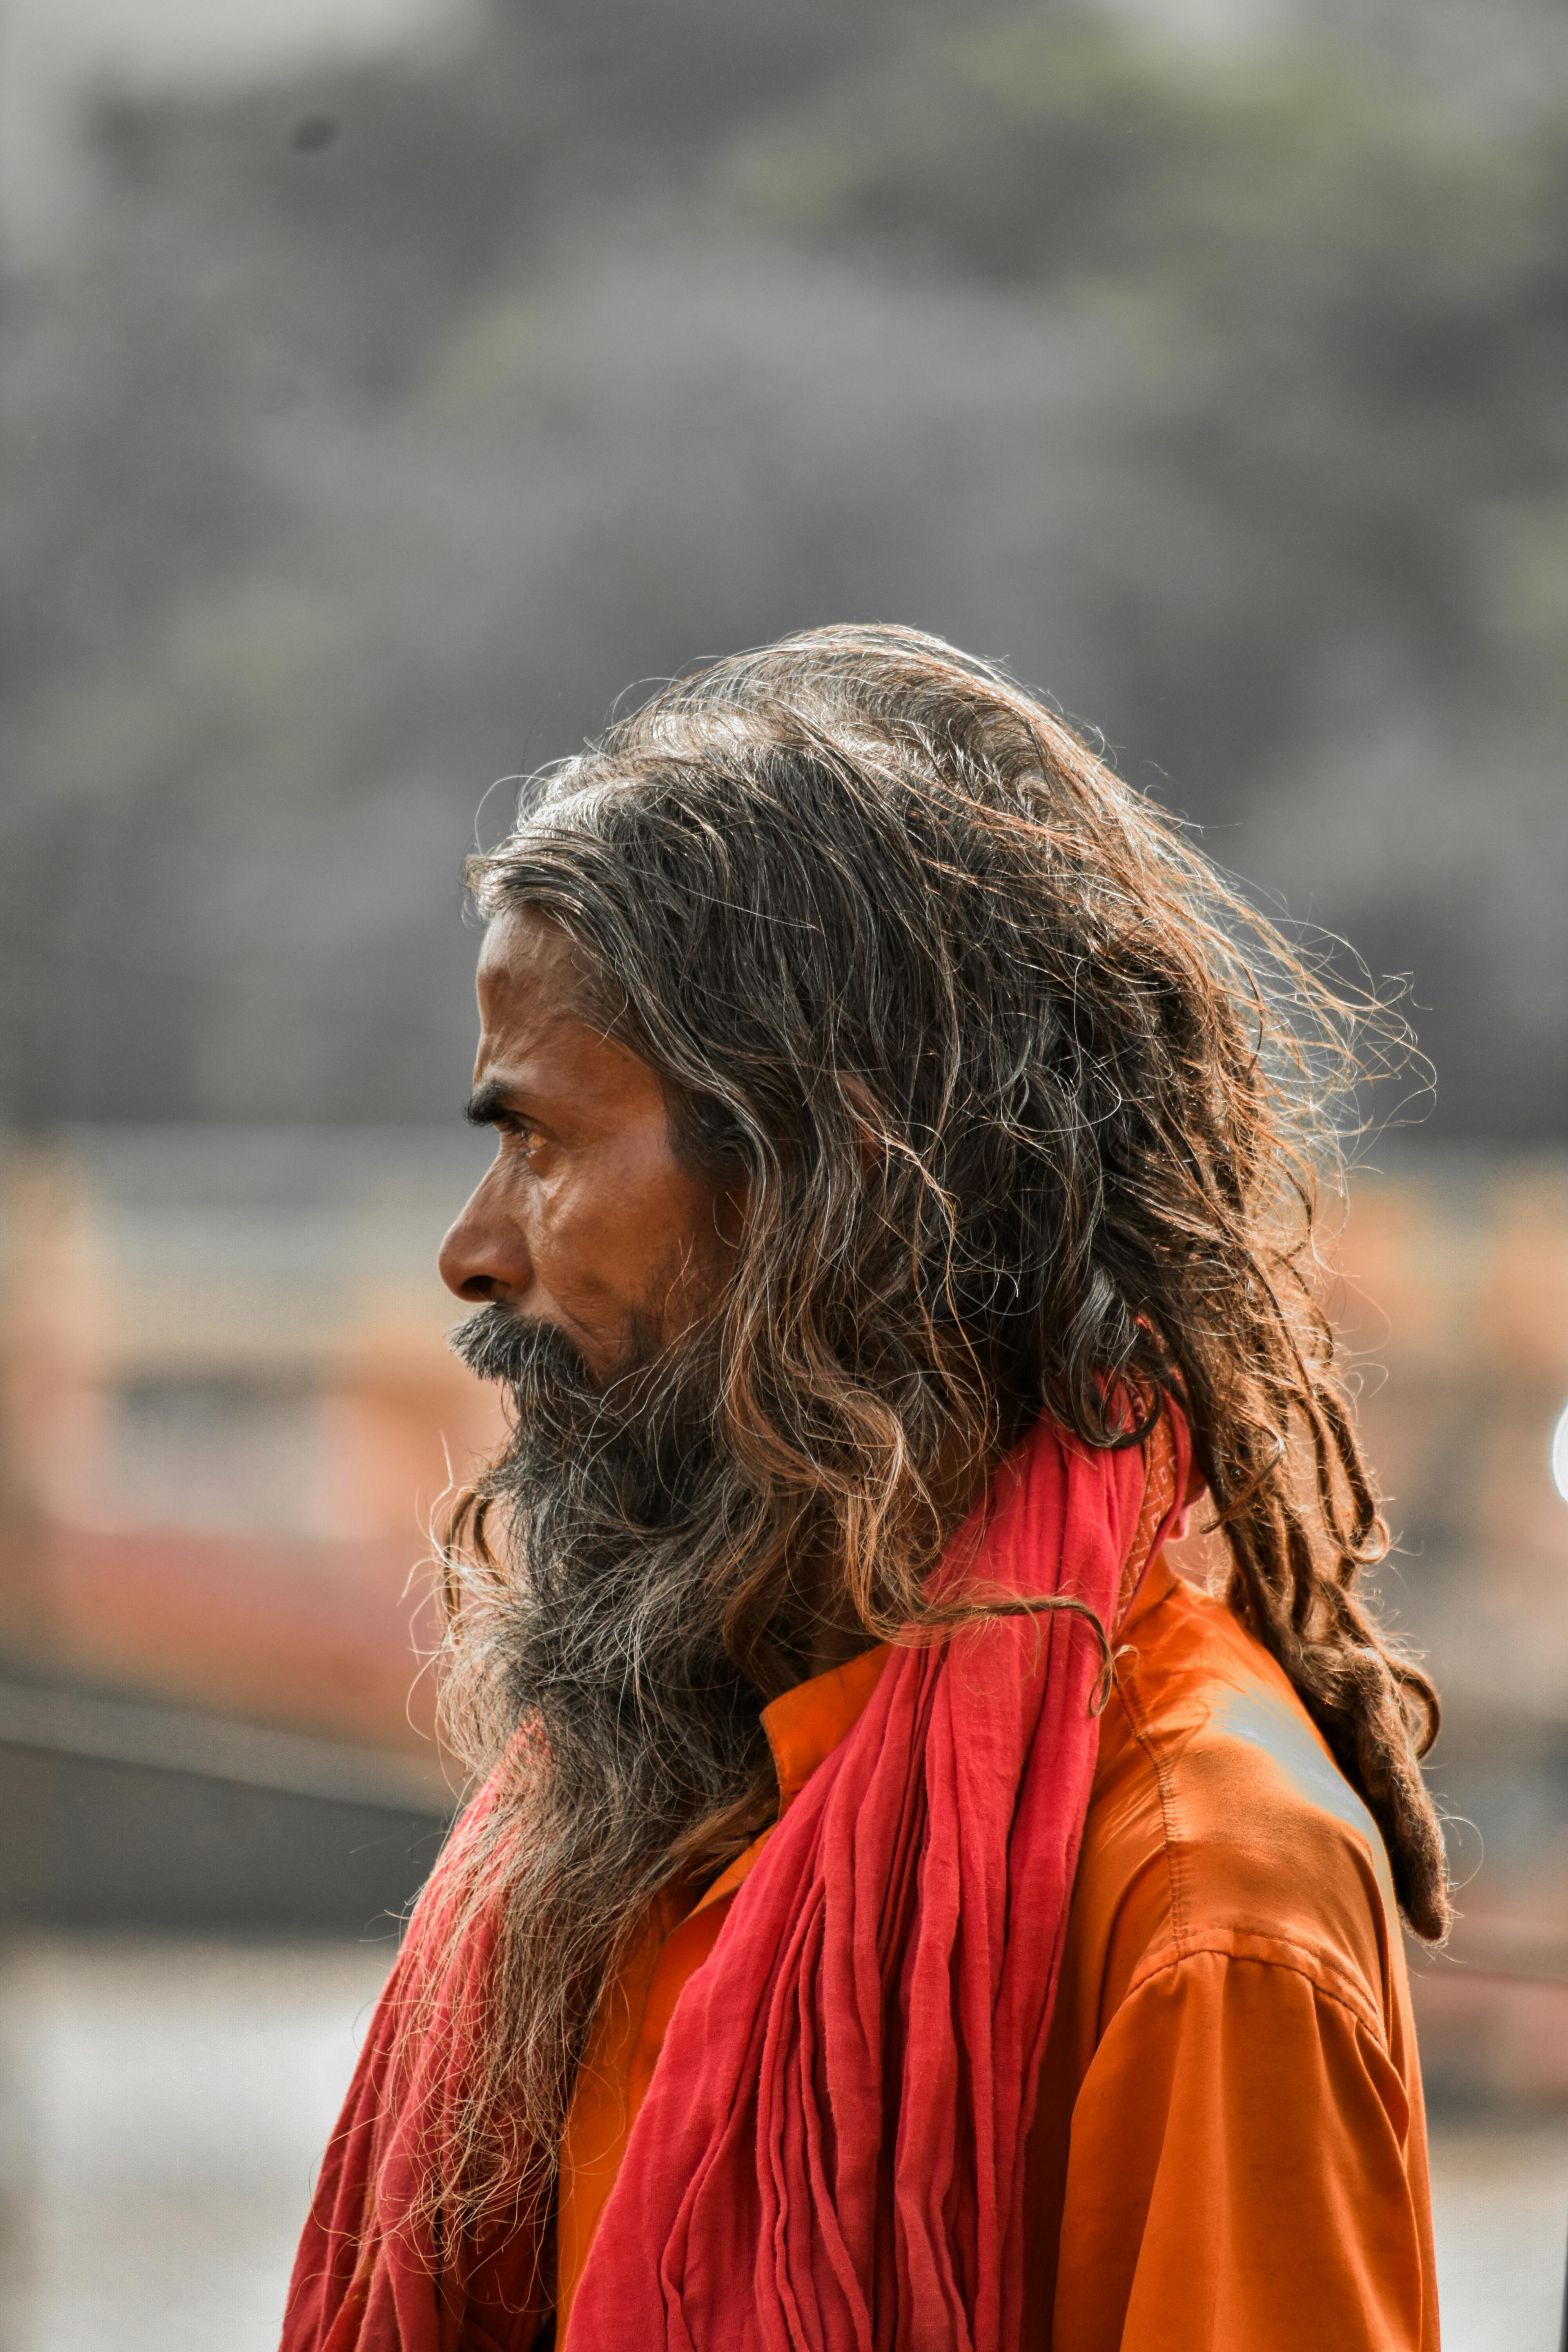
(830, 2157)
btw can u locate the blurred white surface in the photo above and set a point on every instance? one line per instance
(170, 2100)
(1499, 2198)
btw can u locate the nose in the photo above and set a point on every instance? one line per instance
(484, 1257)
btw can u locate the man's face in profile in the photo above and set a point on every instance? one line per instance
(586, 1225)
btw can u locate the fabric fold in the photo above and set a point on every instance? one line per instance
(830, 2155)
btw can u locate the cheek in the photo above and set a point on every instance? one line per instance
(620, 1238)
(588, 1239)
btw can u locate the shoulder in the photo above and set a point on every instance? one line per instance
(1219, 1823)
(1231, 2041)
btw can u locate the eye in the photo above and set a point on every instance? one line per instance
(524, 1139)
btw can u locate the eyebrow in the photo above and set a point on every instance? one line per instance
(488, 1106)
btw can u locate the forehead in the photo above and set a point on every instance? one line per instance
(539, 1032)
(530, 967)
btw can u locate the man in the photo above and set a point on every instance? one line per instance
(896, 1910)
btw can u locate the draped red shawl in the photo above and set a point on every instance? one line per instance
(830, 2157)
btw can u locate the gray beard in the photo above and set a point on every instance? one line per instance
(584, 1655)
(604, 1632)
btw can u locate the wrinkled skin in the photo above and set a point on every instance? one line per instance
(586, 1222)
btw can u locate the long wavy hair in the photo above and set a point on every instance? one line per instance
(1031, 1109)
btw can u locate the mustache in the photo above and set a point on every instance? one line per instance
(655, 1394)
(499, 1346)
(618, 1454)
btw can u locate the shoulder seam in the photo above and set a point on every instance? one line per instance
(1316, 1970)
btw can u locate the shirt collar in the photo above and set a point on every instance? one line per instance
(807, 1723)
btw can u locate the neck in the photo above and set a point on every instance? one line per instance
(836, 1641)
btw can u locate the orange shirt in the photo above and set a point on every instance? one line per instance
(1228, 2150)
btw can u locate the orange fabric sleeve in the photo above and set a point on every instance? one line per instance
(1237, 2176)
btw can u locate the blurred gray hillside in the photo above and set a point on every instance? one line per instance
(380, 427)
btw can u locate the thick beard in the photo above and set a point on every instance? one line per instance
(591, 1625)
(615, 1503)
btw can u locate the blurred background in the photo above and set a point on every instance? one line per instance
(388, 384)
